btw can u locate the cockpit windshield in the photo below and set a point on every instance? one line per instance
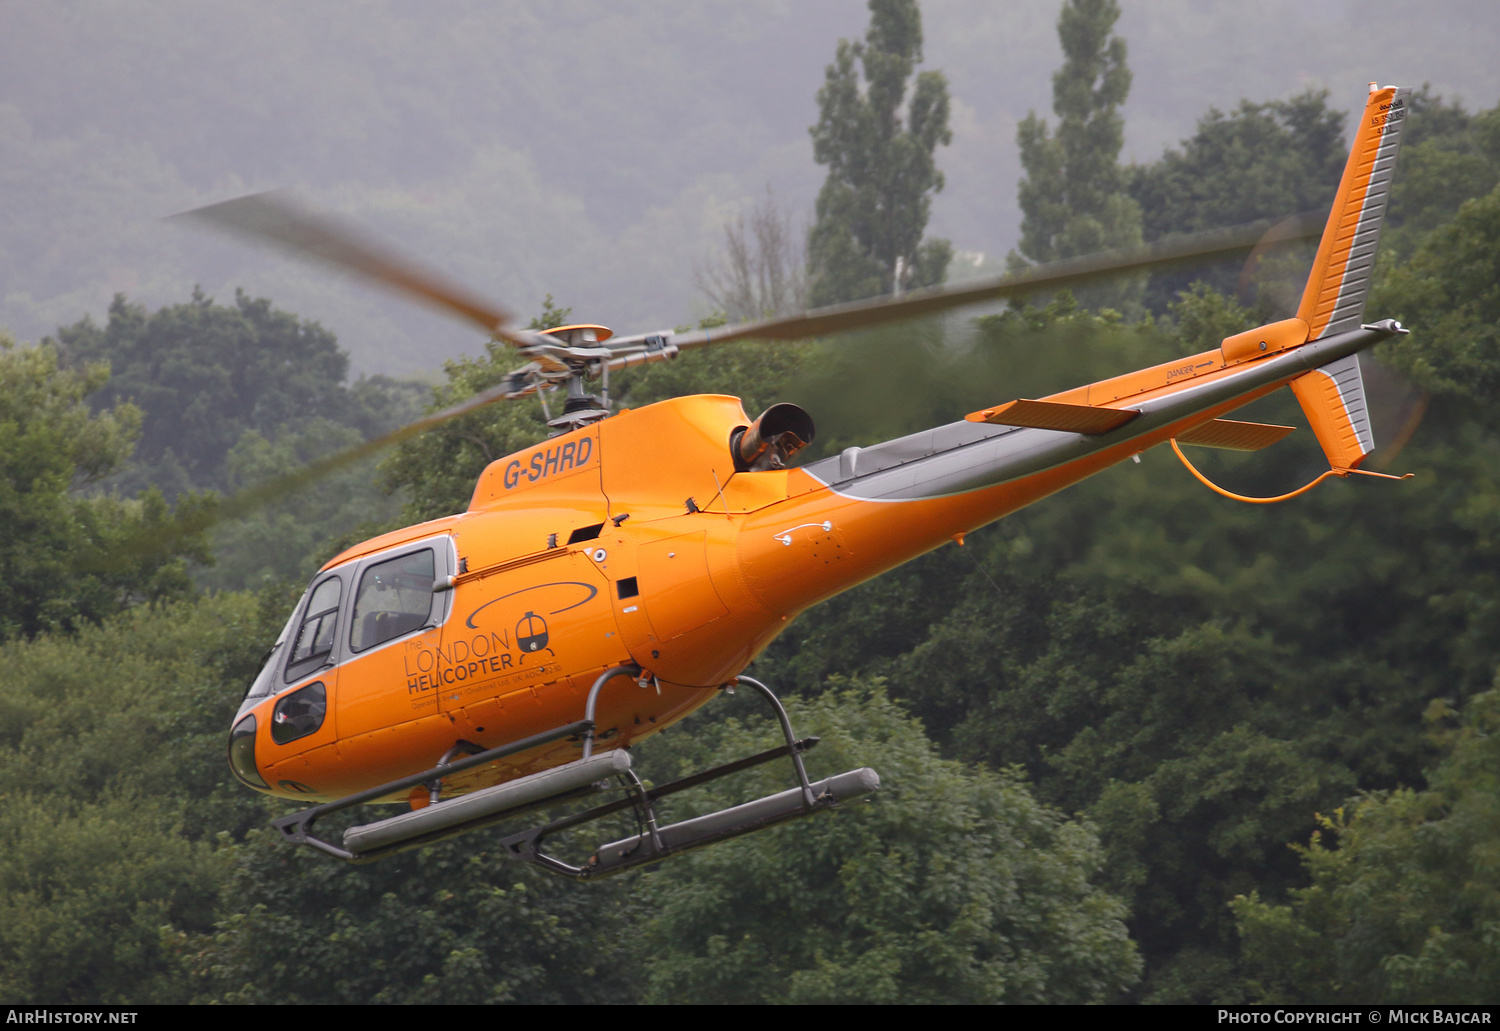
(315, 636)
(261, 685)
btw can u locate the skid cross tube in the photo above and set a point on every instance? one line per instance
(296, 828)
(652, 794)
(527, 845)
(809, 803)
(628, 669)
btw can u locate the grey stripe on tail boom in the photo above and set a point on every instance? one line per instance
(966, 456)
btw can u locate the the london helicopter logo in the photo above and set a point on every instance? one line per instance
(489, 652)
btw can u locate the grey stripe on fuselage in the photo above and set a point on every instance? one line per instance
(967, 456)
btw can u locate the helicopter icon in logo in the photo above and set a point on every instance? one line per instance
(531, 634)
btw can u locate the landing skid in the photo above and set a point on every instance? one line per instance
(588, 775)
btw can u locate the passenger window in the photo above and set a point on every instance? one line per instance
(315, 636)
(395, 598)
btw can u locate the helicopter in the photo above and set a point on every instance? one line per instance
(611, 580)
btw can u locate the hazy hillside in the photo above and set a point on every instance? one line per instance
(569, 148)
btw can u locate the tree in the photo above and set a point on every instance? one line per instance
(230, 396)
(67, 556)
(1403, 904)
(1446, 294)
(118, 839)
(763, 270)
(1260, 161)
(950, 884)
(452, 923)
(874, 205)
(205, 374)
(1447, 157)
(1072, 198)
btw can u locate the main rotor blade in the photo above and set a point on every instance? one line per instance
(838, 318)
(203, 516)
(272, 218)
(1055, 275)
(251, 498)
(269, 218)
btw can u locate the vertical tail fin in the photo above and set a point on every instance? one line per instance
(1333, 397)
(1334, 300)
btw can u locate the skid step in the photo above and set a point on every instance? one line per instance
(510, 799)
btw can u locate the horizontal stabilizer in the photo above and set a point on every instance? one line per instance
(1234, 436)
(1053, 415)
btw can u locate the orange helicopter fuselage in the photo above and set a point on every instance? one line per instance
(635, 540)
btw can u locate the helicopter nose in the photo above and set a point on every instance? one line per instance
(242, 754)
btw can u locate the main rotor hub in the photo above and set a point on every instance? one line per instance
(581, 407)
(581, 335)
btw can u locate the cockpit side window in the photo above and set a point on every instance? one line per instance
(315, 636)
(394, 599)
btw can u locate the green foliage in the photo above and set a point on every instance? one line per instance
(230, 396)
(85, 891)
(874, 205)
(1403, 906)
(1447, 157)
(1261, 161)
(454, 923)
(113, 791)
(66, 557)
(1447, 294)
(1269, 160)
(203, 374)
(951, 885)
(1072, 198)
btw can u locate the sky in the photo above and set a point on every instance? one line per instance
(584, 149)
